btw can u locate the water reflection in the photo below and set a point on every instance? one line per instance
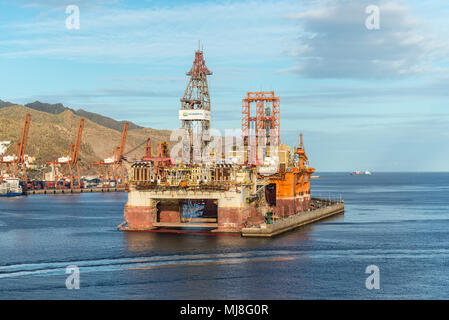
(140, 242)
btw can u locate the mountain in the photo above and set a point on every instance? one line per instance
(95, 117)
(51, 132)
(47, 107)
(105, 121)
(5, 104)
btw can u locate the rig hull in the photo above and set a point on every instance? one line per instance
(229, 205)
(148, 209)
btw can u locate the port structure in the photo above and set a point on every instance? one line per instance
(263, 128)
(112, 167)
(66, 167)
(195, 109)
(15, 163)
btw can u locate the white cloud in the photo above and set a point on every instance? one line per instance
(334, 42)
(251, 29)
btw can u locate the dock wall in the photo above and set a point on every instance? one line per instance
(66, 191)
(292, 222)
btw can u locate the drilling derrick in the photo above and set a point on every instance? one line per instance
(195, 108)
(264, 127)
(64, 167)
(112, 167)
(15, 164)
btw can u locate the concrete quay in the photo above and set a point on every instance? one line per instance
(294, 221)
(67, 191)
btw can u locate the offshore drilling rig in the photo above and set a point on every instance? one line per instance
(257, 180)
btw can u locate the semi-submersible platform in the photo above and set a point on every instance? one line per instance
(253, 185)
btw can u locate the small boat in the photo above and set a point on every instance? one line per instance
(10, 187)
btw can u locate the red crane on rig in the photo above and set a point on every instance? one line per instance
(161, 160)
(15, 163)
(112, 167)
(64, 167)
(264, 127)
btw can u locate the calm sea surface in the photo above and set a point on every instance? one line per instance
(396, 221)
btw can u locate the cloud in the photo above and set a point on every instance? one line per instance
(366, 116)
(146, 79)
(335, 43)
(354, 95)
(125, 93)
(119, 32)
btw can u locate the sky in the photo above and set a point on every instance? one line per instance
(371, 99)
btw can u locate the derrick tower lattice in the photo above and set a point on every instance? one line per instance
(195, 108)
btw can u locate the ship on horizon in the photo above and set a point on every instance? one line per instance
(361, 173)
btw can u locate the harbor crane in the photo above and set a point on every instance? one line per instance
(15, 163)
(112, 167)
(64, 167)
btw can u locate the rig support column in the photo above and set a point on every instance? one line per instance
(142, 214)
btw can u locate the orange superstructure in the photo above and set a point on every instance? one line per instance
(292, 185)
